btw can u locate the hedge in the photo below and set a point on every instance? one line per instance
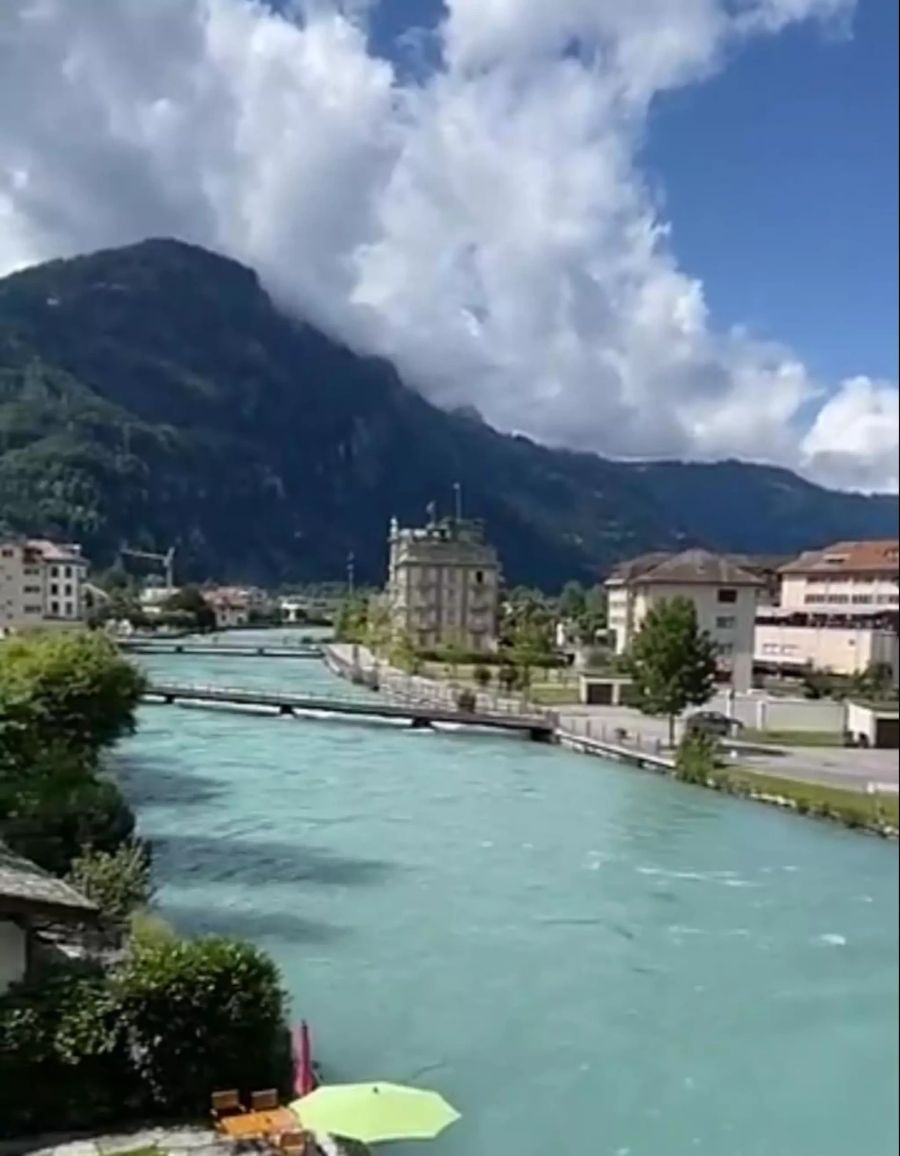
(154, 1037)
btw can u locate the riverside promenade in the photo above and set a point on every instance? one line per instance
(358, 664)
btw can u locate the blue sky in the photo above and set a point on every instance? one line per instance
(779, 175)
(688, 252)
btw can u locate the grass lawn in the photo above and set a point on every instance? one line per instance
(852, 807)
(147, 1150)
(793, 738)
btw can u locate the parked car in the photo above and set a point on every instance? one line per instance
(712, 722)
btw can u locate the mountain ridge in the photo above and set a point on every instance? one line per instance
(155, 393)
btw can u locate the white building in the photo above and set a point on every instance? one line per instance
(845, 578)
(41, 584)
(724, 594)
(788, 641)
(443, 585)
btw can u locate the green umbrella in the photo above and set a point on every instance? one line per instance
(373, 1112)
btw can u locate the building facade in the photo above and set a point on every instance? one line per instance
(443, 586)
(845, 578)
(41, 584)
(724, 594)
(788, 641)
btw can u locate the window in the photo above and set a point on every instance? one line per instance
(726, 648)
(67, 590)
(811, 599)
(839, 599)
(729, 596)
(31, 589)
(479, 577)
(54, 588)
(70, 610)
(725, 623)
(54, 609)
(68, 572)
(7, 552)
(862, 599)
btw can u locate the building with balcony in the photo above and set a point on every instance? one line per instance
(41, 584)
(725, 596)
(443, 585)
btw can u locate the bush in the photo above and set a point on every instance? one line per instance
(117, 881)
(72, 688)
(63, 1059)
(695, 761)
(60, 813)
(175, 1021)
(202, 1014)
(466, 701)
(507, 676)
(482, 675)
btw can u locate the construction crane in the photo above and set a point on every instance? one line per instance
(167, 560)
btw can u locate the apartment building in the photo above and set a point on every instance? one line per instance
(41, 584)
(443, 585)
(838, 611)
(724, 594)
(847, 577)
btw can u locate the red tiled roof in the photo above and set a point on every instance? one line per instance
(879, 557)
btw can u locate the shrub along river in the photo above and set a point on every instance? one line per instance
(584, 958)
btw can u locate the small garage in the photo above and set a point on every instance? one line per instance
(874, 726)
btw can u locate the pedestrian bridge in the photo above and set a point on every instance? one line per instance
(220, 649)
(535, 727)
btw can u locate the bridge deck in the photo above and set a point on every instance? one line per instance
(230, 649)
(535, 726)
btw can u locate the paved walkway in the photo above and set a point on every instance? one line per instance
(167, 1142)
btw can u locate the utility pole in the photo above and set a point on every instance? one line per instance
(457, 502)
(351, 574)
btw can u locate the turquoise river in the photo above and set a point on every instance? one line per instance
(584, 958)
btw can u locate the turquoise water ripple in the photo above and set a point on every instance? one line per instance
(584, 958)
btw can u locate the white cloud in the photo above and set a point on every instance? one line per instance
(489, 229)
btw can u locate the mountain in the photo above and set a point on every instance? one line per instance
(154, 394)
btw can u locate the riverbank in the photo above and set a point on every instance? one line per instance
(875, 812)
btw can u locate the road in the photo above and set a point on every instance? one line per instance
(849, 768)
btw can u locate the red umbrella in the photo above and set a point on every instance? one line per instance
(304, 1077)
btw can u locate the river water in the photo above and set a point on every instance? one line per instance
(585, 959)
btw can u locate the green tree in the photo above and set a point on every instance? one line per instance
(350, 623)
(507, 677)
(482, 675)
(671, 661)
(594, 618)
(72, 688)
(572, 602)
(189, 600)
(57, 804)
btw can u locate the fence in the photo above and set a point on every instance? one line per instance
(765, 713)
